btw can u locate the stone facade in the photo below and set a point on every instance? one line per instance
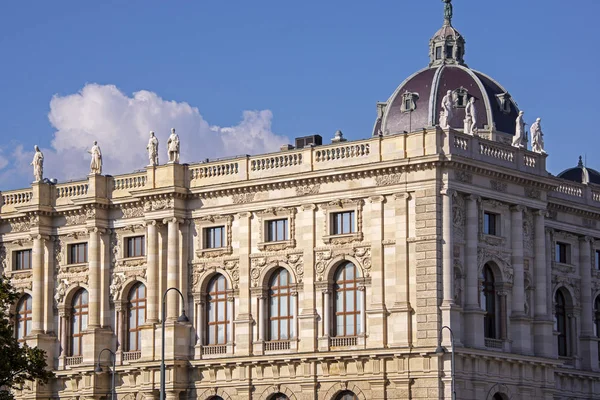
(419, 240)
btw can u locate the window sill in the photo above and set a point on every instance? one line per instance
(132, 261)
(216, 252)
(343, 238)
(565, 268)
(279, 245)
(20, 272)
(493, 240)
(494, 344)
(216, 350)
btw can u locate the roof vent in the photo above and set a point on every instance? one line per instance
(309, 141)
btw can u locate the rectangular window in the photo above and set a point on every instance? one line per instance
(136, 246)
(449, 51)
(78, 253)
(214, 237)
(22, 259)
(562, 253)
(490, 223)
(438, 53)
(598, 267)
(277, 230)
(342, 223)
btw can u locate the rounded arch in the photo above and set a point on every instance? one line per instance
(498, 391)
(494, 267)
(71, 291)
(267, 273)
(270, 392)
(22, 293)
(214, 393)
(129, 284)
(341, 387)
(336, 262)
(568, 293)
(207, 279)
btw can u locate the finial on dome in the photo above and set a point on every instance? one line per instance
(580, 163)
(448, 12)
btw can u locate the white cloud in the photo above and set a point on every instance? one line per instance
(121, 125)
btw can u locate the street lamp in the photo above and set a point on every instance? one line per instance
(181, 318)
(98, 370)
(440, 350)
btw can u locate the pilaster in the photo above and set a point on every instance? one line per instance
(376, 311)
(473, 313)
(243, 320)
(307, 313)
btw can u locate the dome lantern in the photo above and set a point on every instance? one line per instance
(447, 46)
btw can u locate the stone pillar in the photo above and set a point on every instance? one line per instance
(152, 260)
(94, 278)
(400, 319)
(49, 285)
(327, 313)
(243, 323)
(543, 325)
(472, 310)
(502, 295)
(450, 312)
(520, 331)
(172, 268)
(261, 318)
(307, 308)
(589, 344)
(120, 327)
(376, 310)
(200, 322)
(37, 312)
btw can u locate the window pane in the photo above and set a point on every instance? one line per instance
(284, 306)
(75, 350)
(221, 311)
(210, 312)
(141, 316)
(221, 333)
(339, 302)
(211, 335)
(349, 325)
(349, 300)
(340, 325)
(84, 321)
(274, 330)
(75, 323)
(284, 331)
(283, 278)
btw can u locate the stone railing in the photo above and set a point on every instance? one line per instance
(72, 189)
(216, 349)
(127, 182)
(131, 355)
(496, 151)
(17, 197)
(345, 341)
(570, 190)
(214, 170)
(596, 196)
(277, 345)
(494, 343)
(70, 361)
(276, 161)
(342, 152)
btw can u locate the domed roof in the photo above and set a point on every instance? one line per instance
(416, 103)
(581, 174)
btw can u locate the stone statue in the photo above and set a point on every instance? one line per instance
(470, 117)
(173, 147)
(153, 149)
(446, 112)
(38, 165)
(448, 12)
(96, 163)
(518, 139)
(537, 137)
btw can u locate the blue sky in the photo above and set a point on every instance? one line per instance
(295, 68)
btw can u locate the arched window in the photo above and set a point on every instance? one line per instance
(216, 398)
(24, 318)
(561, 324)
(137, 316)
(346, 395)
(79, 322)
(488, 303)
(348, 301)
(498, 396)
(278, 396)
(217, 311)
(281, 306)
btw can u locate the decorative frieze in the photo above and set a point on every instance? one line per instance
(243, 198)
(389, 179)
(325, 256)
(498, 186)
(159, 204)
(528, 231)
(463, 176)
(306, 190)
(294, 261)
(533, 193)
(21, 280)
(75, 219)
(199, 270)
(130, 211)
(459, 217)
(20, 225)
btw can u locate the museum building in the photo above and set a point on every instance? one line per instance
(324, 271)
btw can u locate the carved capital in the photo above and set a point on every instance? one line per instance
(586, 239)
(401, 196)
(518, 208)
(173, 220)
(474, 197)
(539, 213)
(308, 207)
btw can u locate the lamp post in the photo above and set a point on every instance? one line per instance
(181, 318)
(98, 370)
(440, 349)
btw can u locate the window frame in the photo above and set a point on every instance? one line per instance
(80, 309)
(489, 300)
(209, 237)
(18, 258)
(340, 206)
(135, 304)
(488, 217)
(277, 290)
(269, 230)
(597, 260)
(562, 249)
(269, 215)
(22, 317)
(217, 297)
(343, 286)
(127, 245)
(70, 253)
(210, 221)
(562, 324)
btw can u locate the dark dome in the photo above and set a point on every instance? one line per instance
(578, 174)
(416, 103)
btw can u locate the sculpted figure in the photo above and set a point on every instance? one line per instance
(96, 162)
(38, 165)
(446, 112)
(519, 131)
(173, 147)
(153, 149)
(537, 137)
(470, 117)
(448, 10)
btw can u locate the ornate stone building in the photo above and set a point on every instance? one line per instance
(326, 271)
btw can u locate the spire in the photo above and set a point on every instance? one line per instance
(447, 46)
(580, 163)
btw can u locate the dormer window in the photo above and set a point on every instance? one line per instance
(504, 102)
(462, 97)
(409, 101)
(449, 51)
(438, 53)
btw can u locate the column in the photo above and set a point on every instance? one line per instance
(49, 285)
(120, 327)
(152, 260)
(589, 346)
(172, 268)
(200, 322)
(520, 329)
(63, 332)
(544, 342)
(261, 318)
(327, 313)
(472, 310)
(94, 278)
(375, 304)
(450, 313)
(541, 309)
(37, 312)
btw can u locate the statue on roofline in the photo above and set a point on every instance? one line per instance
(448, 12)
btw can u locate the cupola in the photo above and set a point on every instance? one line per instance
(447, 46)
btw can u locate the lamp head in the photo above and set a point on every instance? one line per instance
(183, 317)
(98, 369)
(439, 349)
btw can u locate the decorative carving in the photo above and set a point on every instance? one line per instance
(533, 193)
(463, 176)
(552, 214)
(173, 147)
(76, 219)
(458, 282)
(492, 240)
(537, 137)
(242, 198)
(528, 229)
(96, 161)
(499, 186)
(391, 179)
(569, 282)
(159, 204)
(231, 266)
(294, 261)
(325, 256)
(132, 212)
(501, 258)
(519, 138)
(22, 280)
(459, 216)
(61, 291)
(20, 226)
(306, 190)
(590, 223)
